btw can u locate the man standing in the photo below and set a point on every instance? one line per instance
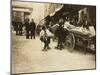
(16, 27)
(27, 25)
(60, 34)
(32, 28)
(20, 28)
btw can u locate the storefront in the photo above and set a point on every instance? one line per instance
(20, 14)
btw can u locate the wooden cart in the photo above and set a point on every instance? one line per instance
(76, 38)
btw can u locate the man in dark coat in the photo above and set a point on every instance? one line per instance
(16, 28)
(20, 28)
(60, 34)
(27, 25)
(32, 28)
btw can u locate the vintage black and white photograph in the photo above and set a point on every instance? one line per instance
(51, 37)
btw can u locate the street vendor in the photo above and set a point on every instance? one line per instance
(60, 34)
(84, 22)
(67, 22)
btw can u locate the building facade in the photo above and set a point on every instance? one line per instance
(37, 11)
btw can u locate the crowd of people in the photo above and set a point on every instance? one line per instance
(29, 27)
(46, 32)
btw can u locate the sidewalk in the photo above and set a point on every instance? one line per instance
(27, 56)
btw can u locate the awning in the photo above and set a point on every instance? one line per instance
(52, 14)
(59, 8)
(56, 10)
(22, 10)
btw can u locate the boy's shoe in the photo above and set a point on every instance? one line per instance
(48, 48)
(44, 49)
(56, 48)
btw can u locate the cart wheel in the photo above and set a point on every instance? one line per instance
(70, 42)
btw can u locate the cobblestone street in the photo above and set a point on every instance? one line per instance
(27, 56)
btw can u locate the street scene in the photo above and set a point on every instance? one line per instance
(50, 37)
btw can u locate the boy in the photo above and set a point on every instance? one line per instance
(44, 38)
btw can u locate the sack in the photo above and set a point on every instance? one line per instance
(49, 34)
(42, 39)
